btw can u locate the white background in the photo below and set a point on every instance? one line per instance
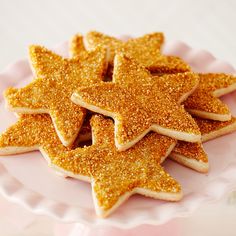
(202, 24)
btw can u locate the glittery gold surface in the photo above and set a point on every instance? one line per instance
(191, 151)
(195, 150)
(94, 38)
(33, 130)
(146, 50)
(177, 85)
(203, 98)
(77, 45)
(56, 80)
(114, 173)
(136, 108)
(208, 126)
(214, 81)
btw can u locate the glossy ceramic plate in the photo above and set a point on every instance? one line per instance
(26, 179)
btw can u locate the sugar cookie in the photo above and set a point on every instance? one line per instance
(145, 49)
(179, 85)
(211, 129)
(192, 154)
(138, 108)
(204, 101)
(56, 80)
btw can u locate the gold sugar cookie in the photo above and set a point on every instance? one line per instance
(211, 129)
(204, 101)
(139, 108)
(179, 86)
(50, 92)
(192, 154)
(114, 175)
(145, 49)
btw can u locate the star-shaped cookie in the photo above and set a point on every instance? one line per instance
(145, 49)
(114, 175)
(204, 102)
(211, 129)
(56, 80)
(192, 154)
(126, 71)
(139, 108)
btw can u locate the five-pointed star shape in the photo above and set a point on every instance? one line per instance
(204, 102)
(139, 108)
(192, 154)
(146, 50)
(56, 80)
(114, 175)
(126, 71)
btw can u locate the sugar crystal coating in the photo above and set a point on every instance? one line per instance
(191, 151)
(205, 99)
(208, 126)
(195, 150)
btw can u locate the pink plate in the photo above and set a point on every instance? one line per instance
(27, 180)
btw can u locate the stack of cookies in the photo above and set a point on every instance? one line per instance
(135, 104)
